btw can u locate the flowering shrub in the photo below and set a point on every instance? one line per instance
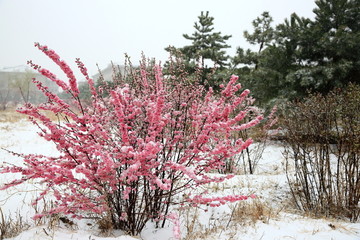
(133, 153)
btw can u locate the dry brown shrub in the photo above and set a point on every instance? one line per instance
(323, 148)
(250, 212)
(10, 227)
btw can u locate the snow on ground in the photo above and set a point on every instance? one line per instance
(275, 221)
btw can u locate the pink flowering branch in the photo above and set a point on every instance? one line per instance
(63, 65)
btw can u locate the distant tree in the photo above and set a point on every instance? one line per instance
(260, 77)
(334, 59)
(302, 55)
(4, 95)
(208, 47)
(325, 50)
(206, 44)
(290, 36)
(22, 84)
(263, 35)
(16, 87)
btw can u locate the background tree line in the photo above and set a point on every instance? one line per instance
(288, 60)
(17, 88)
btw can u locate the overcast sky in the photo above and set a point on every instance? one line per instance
(100, 31)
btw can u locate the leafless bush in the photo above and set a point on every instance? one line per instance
(249, 158)
(323, 146)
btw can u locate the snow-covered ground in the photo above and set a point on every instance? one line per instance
(269, 216)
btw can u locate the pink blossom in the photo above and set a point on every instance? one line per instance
(174, 217)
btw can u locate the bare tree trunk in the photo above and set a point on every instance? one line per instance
(4, 99)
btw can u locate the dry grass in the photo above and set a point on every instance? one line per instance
(10, 227)
(252, 211)
(10, 115)
(196, 228)
(105, 225)
(243, 214)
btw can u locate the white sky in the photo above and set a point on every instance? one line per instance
(100, 31)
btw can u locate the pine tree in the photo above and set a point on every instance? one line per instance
(206, 44)
(304, 55)
(263, 36)
(256, 73)
(207, 47)
(329, 48)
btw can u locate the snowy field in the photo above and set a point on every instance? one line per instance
(269, 216)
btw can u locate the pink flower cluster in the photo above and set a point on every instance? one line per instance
(62, 64)
(174, 217)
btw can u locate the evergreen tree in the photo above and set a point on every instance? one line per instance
(305, 55)
(256, 73)
(293, 39)
(327, 49)
(207, 47)
(263, 36)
